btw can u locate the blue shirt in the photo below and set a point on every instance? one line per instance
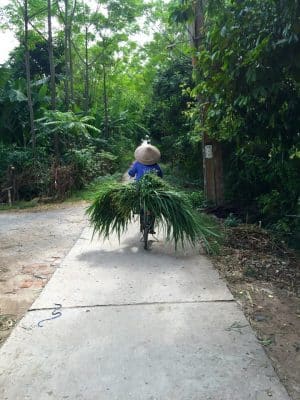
(139, 170)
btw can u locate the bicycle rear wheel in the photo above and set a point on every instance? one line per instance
(146, 226)
(145, 236)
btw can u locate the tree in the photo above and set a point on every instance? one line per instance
(248, 72)
(67, 17)
(51, 56)
(193, 15)
(112, 27)
(13, 110)
(28, 77)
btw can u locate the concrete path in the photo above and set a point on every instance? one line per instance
(156, 325)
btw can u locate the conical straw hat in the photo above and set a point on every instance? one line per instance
(147, 154)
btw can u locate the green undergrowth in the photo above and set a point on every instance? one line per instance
(91, 190)
(180, 179)
(86, 194)
(19, 205)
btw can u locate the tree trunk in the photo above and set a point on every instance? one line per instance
(105, 101)
(86, 77)
(69, 79)
(51, 59)
(211, 149)
(67, 54)
(197, 27)
(52, 76)
(28, 78)
(71, 68)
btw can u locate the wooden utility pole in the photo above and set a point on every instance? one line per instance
(211, 149)
(212, 170)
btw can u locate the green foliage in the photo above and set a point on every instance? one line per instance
(19, 205)
(67, 125)
(247, 80)
(13, 112)
(169, 99)
(89, 192)
(181, 179)
(87, 164)
(232, 221)
(182, 12)
(243, 42)
(196, 198)
(167, 118)
(245, 93)
(39, 60)
(31, 176)
(76, 148)
(115, 204)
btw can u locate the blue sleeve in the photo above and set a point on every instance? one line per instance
(132, 170)
(159, 171)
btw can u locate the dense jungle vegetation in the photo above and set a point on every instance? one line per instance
(82, 89)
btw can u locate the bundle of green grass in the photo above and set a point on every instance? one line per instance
(116, 204)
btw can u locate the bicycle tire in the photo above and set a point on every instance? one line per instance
(145, 236)
(146, 229)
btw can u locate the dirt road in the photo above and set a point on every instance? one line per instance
(32, 244)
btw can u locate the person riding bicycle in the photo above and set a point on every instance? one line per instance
(147, 157)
